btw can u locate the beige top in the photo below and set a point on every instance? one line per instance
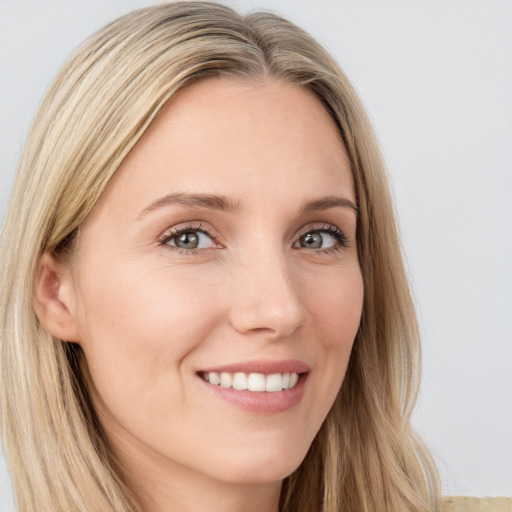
(468, 504)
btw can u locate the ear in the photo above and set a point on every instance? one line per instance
(53, 299)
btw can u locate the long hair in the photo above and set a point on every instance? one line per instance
(366, 457)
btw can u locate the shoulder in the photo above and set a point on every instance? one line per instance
(469, 504)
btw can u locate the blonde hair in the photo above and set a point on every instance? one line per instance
(366, 457)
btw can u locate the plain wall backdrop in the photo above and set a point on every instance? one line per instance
(436, 78)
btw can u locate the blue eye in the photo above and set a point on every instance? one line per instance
(188, 238)
(191, 238)
(328, 237)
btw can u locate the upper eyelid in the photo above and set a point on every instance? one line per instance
(200, 226)
(324, 227)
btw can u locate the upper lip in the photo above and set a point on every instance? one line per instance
(264, 366)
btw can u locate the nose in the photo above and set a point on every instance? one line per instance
(267, 299)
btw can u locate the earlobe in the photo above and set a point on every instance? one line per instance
(53, 299)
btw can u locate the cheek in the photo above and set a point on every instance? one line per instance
(153, 307)
(335, 303)
(138, 328)
(338, 313)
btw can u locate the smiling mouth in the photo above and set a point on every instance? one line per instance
(255, 382)
(258, 387)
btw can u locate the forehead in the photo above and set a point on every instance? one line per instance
(238, 139)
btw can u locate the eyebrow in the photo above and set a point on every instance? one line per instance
(330, 202)
(223, 203)
(209, 201)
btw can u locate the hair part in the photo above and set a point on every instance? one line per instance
(366, 458)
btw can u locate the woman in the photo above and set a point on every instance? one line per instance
(204, 304)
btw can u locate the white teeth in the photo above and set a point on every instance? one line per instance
(257, 382)
(274, 382)
(240, 381)
(213, 378)
(226, 380)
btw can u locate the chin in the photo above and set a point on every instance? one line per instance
(261, 469)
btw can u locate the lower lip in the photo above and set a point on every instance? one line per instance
(261, 402)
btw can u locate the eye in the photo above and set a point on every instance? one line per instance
(328, 237)
(188, 238)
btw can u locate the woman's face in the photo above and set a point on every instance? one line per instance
(223, 250)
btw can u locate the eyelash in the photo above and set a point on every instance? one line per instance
(339, 235)
(176, 232)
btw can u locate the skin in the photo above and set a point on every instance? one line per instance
(150, 315)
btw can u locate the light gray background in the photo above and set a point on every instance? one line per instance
(436, 77)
